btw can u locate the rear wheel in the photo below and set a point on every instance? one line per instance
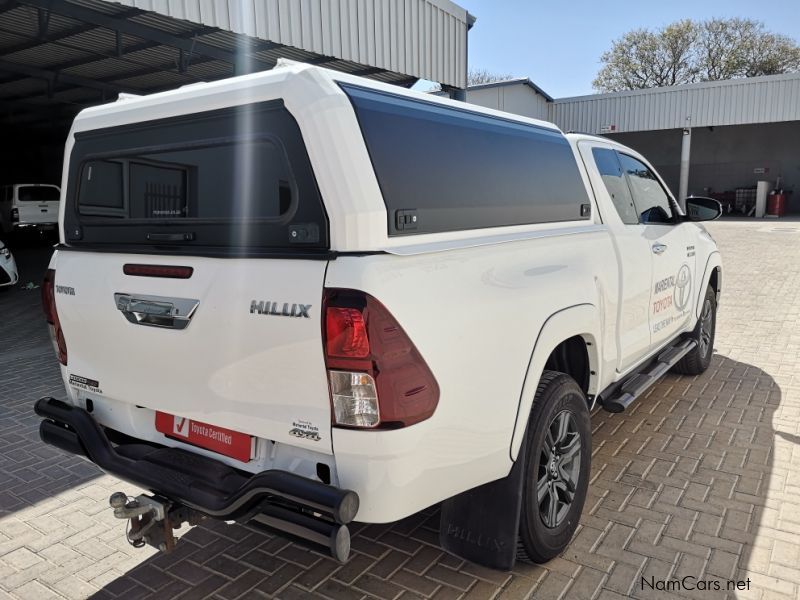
(697, 361)
(557, 465)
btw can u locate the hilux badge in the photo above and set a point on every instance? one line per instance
(265, 307)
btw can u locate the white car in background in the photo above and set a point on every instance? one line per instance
(8, 268)
(29, 205)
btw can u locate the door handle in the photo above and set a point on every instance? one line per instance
(157, 311)
(659, 248)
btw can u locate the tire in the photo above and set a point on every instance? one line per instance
(697, 361)
(548, 522)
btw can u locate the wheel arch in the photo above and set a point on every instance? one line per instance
(574, 328)
(712, 275)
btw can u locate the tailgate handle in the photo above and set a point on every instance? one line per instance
(156, 311)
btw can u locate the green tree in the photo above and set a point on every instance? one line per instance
(687, 51)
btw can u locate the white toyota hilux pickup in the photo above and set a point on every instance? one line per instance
(298, 298)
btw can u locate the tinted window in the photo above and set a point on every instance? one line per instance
(652, 202)
(216, 182)
(231, 180)
(159, 191)
(101, 187)
(30, 193)
(464, 170)
(616, 184)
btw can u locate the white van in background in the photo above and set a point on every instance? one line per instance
(29, 205)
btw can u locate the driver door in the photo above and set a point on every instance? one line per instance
(671, 249)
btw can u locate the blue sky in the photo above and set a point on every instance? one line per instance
(558, 43)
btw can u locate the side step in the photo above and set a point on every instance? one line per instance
(620, 395)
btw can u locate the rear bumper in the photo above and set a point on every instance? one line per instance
(303, 508)
(49, 225)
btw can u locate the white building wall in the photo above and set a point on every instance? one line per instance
(519, 98)
(420, 38)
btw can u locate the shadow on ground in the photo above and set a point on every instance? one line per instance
(679, 491)
(30, 472)
(682, 485)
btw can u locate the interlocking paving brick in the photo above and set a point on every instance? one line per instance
(414, 583)
(338, 591)
(280, 579)
(355, 566)
(391, 561)
(482, 590)
(701, 478)
(241, 585)
(555, 586)
(378, 587)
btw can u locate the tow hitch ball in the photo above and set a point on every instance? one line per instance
(152, 520)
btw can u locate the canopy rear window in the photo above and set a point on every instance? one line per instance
(236, 181)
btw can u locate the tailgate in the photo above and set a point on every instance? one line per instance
(249, 359)
(38, 212)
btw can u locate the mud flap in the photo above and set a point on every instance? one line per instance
(481, 525)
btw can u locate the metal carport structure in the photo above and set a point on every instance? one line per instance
(59, 56)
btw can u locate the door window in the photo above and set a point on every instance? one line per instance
(614, 180)
(651, 201)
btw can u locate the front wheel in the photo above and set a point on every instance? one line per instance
(697, 360)
(557, 465)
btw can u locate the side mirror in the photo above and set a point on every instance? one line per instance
(699, 208)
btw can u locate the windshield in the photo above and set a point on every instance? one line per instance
(38, 193)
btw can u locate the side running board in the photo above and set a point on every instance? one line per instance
(621, 394)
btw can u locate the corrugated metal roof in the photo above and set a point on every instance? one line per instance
(89, 50)
(42, 57)
(420, 38)
(23, 20)
(767, 99)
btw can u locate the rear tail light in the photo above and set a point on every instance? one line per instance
(377, 377)
(346, 333)
(15, 215)
(50, 313)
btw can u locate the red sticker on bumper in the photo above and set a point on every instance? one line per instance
(217, 439)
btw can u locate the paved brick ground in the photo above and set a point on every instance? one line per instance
(700, 479)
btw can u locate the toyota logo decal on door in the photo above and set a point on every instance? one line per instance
(683, 288)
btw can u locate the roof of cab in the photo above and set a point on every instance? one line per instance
(247, 85)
